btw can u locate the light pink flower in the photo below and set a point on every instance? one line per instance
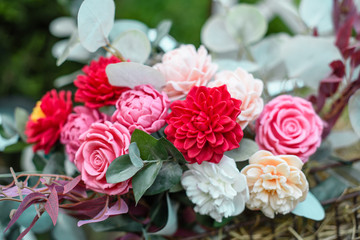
(142, 108)
(100, 145)
(244, 87)
(276, 183)
(77, 123)
(289, 125)
(184, 68)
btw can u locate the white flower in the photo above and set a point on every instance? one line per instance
(242, 85)
(218, 190)
(276, 183)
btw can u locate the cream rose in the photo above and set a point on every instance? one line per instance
(218, 190)
(244, 87)
(276, 183)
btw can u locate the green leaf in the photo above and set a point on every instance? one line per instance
(55, 164)
(121, 169)
(172, 150)
(354, 111)
(117, 223)
(145, 178)
(149, 147)
(16, 147)
(7, 129)
(172, 222)
(332, 187)
(169, 175)
(245, 23)
(66, 228)
(310, 208)
(162, 29)
(247, 148)
(223, 222)
(44, 223)
(39, 162)
(21, 118)
(134, 155)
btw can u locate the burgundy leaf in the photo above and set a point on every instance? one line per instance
(52, 205)
(342, 11)
(344, 34)
(338, 68)
(72, 184)
(355, 59)
(22, 235)
(130, 236)
(27, 202)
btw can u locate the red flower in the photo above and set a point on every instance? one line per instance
(203, 126)
(47, 119)
(94, 88)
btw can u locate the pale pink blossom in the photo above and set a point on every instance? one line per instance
(184, 68)
(100, 145)
(276, 183)
(289, 125)
(243, 86)
(142, 108)
(77, 123)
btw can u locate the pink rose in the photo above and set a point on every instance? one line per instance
(242, 86)
(77, 123)
(100, 145)
(184, 68)
(142, 108)
(289, 125)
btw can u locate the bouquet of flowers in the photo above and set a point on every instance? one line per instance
(169, 133)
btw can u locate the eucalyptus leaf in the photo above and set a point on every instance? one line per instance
(8, 128)
(245, 23)
(232, 65)
(44, 223)
(95, 21)
(133, 45)
(310, 208)
(150, 148)
(317, 14)
(66, 79)
(62, 26)
(172, 223)
(124, 25)
(134, 155)
(121, 169)
(299, 50)
(16, 147)
(344, 138)
(162, 29)
(169, 175)
(21, 118)
(132, 74)
(215, 37)
(144, 179)
(66, 228)
(354, 111)
(247, 148)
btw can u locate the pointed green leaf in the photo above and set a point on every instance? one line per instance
(247, 148)
(121, 169)
(149, 147)
(174, 152)
(144, 179)
(21, 118)
(134, 155)
(169, 175)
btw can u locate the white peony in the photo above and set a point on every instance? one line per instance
(218, 190)
(242, 85)
(276, 183)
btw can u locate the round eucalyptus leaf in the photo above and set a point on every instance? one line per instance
(354, 111)
(133, 45)
(62, 26)
(245, 23)
(247, 148)
(124, 25)
(215, 37)
(42, 225)
(317, 14)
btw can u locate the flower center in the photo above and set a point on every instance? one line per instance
(37, 112)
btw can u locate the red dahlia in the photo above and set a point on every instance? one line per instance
(94, 88)
(47, 119)
(203, 126)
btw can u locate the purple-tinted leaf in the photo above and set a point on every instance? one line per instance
(87, 209)
(27, 202)
(355, 59)
(130, 236)
(101, 216)
(338, 68)
(13, 191)
(72, 184)
(52, 205)
(343, 10)
(22, 235)
(344, 34)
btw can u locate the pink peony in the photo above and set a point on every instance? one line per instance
(203, 126)
(184, 68)
(242, 86)
(289, 125)
(100, 145)
(143, 108)
(77, 123)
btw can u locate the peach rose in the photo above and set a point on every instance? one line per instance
(184, 68)
(289, 125)
(276, 183)
(244, 87)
